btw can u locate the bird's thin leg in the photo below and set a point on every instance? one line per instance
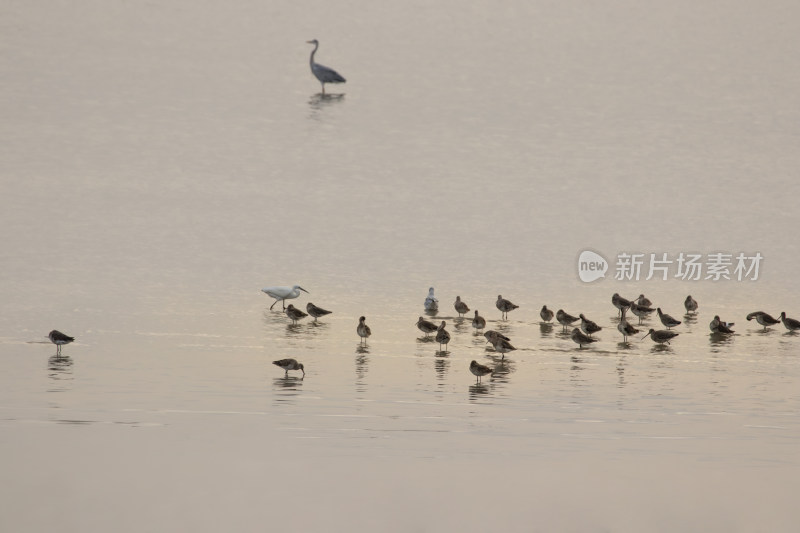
(273, 305)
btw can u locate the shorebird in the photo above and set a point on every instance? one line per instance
(565, 319)
(363, 329)
(626, 328)
(504, 306)
(60, 339)
(790, 323)
(580, 339)
(431, 303)
(321, 72)
(492, 336)
(478, 370)
(661, 336)
(281, 294)
(461, 307)
(718, 326)
(503, 346)
(762, 318)
(667, 320)
(690, 304)
(294, 313)
(315, 311)
(426, 326)
(640, 311)
(546, 314)
(643, 301)
(478, 322)
(442, 336)
(589, 327)
(289, 364)
(620, 302)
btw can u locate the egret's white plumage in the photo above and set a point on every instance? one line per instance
(281, 294)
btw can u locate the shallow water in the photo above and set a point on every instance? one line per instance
(162, 163)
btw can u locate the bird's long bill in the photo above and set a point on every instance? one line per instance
(302, 289)
(643, 338)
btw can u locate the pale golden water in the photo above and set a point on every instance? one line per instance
(163, 163)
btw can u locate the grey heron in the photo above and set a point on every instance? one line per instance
(324, 74)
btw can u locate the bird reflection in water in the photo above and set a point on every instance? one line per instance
(362, 367)
(288, 382)
(441, 365)
(319, 102)
(59, 369)
(478, 390)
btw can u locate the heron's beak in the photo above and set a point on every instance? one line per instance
(302, 289)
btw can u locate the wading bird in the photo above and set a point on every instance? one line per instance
(324, 74)
(661, 336)
(461, 307)
(478, 370)
(60, 339)
(478, 322)
(315, 311)
(690, 304)
(762, 318)
(281, 294)
(363, 329)
(289, 364)
(504, 306)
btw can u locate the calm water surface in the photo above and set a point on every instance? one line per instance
(162, 163)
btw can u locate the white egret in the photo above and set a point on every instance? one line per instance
(283, 293)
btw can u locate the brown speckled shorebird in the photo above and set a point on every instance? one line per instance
(790, 323)
(289, 364)
(478, 370)
(718, 326)
(426, 326)
(667, 320)
(294, 313)
(588, 326)
(363, 329)
(661, 336)
(504, 306)
(315, 311)
(443, 336)
(690, 304)
(478, 322)
(565, 319)
(461, 307)
(59, 339)
(580, 339)
(546, 314)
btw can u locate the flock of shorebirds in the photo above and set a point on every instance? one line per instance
(642, 307)
(582, 336)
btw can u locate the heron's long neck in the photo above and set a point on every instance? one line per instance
(314, 51)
